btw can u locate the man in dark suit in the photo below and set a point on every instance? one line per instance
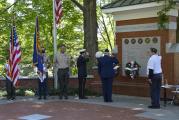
(82, 72)
(107, 73)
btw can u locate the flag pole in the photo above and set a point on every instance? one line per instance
(13, 12)
(55, 47)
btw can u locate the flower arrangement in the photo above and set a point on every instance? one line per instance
(132, 69)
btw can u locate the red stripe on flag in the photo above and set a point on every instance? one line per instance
(14, 57)
(58, 11)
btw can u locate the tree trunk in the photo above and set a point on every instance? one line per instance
(90, 29)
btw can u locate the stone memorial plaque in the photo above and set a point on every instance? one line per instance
(137, 49)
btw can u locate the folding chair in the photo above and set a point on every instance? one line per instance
(176, 92)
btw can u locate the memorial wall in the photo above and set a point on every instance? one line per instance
(137, 49)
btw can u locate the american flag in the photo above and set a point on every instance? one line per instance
(14, 56)
(58, 10)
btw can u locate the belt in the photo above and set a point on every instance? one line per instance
(62, 68)
(158, 74)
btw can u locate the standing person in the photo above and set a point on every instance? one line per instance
(154, 72)
(42, 84)
(107, 73)
(9, 84)
(63, 63)
(46, 66)
(82, 72)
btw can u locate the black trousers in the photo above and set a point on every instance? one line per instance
(47, 92)
(10, 89)
(155, 89)
(107, 89)
(63, 75)
(43, 88)
(81, 88)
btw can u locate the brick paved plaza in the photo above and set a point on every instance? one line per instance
(64, 110)
(123, 108)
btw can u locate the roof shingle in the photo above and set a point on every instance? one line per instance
(122, 3)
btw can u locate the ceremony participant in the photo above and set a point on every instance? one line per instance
(9, 84)
(98, 54)
(46, 62)
(42, 83)
(154, 72)
(82, 72)
(63, 64)
(107, 73)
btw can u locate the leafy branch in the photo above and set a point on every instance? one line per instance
(163, 17)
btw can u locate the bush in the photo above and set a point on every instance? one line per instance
(51, 92)
(3, 93)
(73, 92)
(25, 92)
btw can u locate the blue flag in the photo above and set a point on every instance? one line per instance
(37, 54)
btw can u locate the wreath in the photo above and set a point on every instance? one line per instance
(132, 69)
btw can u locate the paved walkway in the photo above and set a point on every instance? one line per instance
(123, 108)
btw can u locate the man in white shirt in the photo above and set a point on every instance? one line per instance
(63, 63)
(154, 72)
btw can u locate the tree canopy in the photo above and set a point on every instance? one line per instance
(25, 11)
(69, 32)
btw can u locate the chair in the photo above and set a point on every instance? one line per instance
(176, 92)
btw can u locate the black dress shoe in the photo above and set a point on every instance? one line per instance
(66, 97)
(13, 98)
(39, 98)
(154, 107)
(8, 98)
(80, 97)
(45, 98)
(84, 97)
(110, 101)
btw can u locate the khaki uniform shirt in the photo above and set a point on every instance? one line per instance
(62, 60)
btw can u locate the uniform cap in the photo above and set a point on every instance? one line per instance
(82, 50)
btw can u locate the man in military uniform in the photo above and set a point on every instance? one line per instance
(107, 73)
(82, 72)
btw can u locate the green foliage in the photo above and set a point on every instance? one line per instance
(25, 92)
(19, 92)
(106, 27)
(163, 18)
(69, 32)
(73, 92)
(2, 93)
(25, 11)
(52, 92)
